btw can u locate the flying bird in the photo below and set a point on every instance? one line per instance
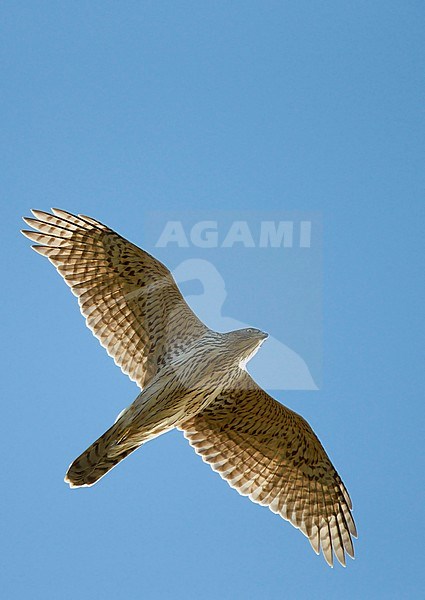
(193, 379)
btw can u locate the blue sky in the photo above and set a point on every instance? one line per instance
(118, 110)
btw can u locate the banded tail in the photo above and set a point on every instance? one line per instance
(99, 458)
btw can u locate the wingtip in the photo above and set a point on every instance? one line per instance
(27, 221)
(341, 560)
(60, 212)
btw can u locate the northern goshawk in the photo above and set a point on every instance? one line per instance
(191, 378)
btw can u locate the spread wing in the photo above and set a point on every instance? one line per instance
(129, 299)
(271, 454)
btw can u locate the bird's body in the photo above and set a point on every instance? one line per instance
(193, 379)
(181, 390)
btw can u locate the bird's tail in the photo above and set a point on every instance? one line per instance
(106, 452)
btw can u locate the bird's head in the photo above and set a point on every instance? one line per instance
(246, 342)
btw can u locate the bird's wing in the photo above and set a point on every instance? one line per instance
(129, 299)
(271, 454)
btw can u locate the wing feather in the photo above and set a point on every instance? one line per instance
(129, 299)
(271, 454)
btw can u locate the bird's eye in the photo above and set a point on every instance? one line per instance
(249, 330)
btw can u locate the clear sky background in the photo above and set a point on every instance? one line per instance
(114, 109)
